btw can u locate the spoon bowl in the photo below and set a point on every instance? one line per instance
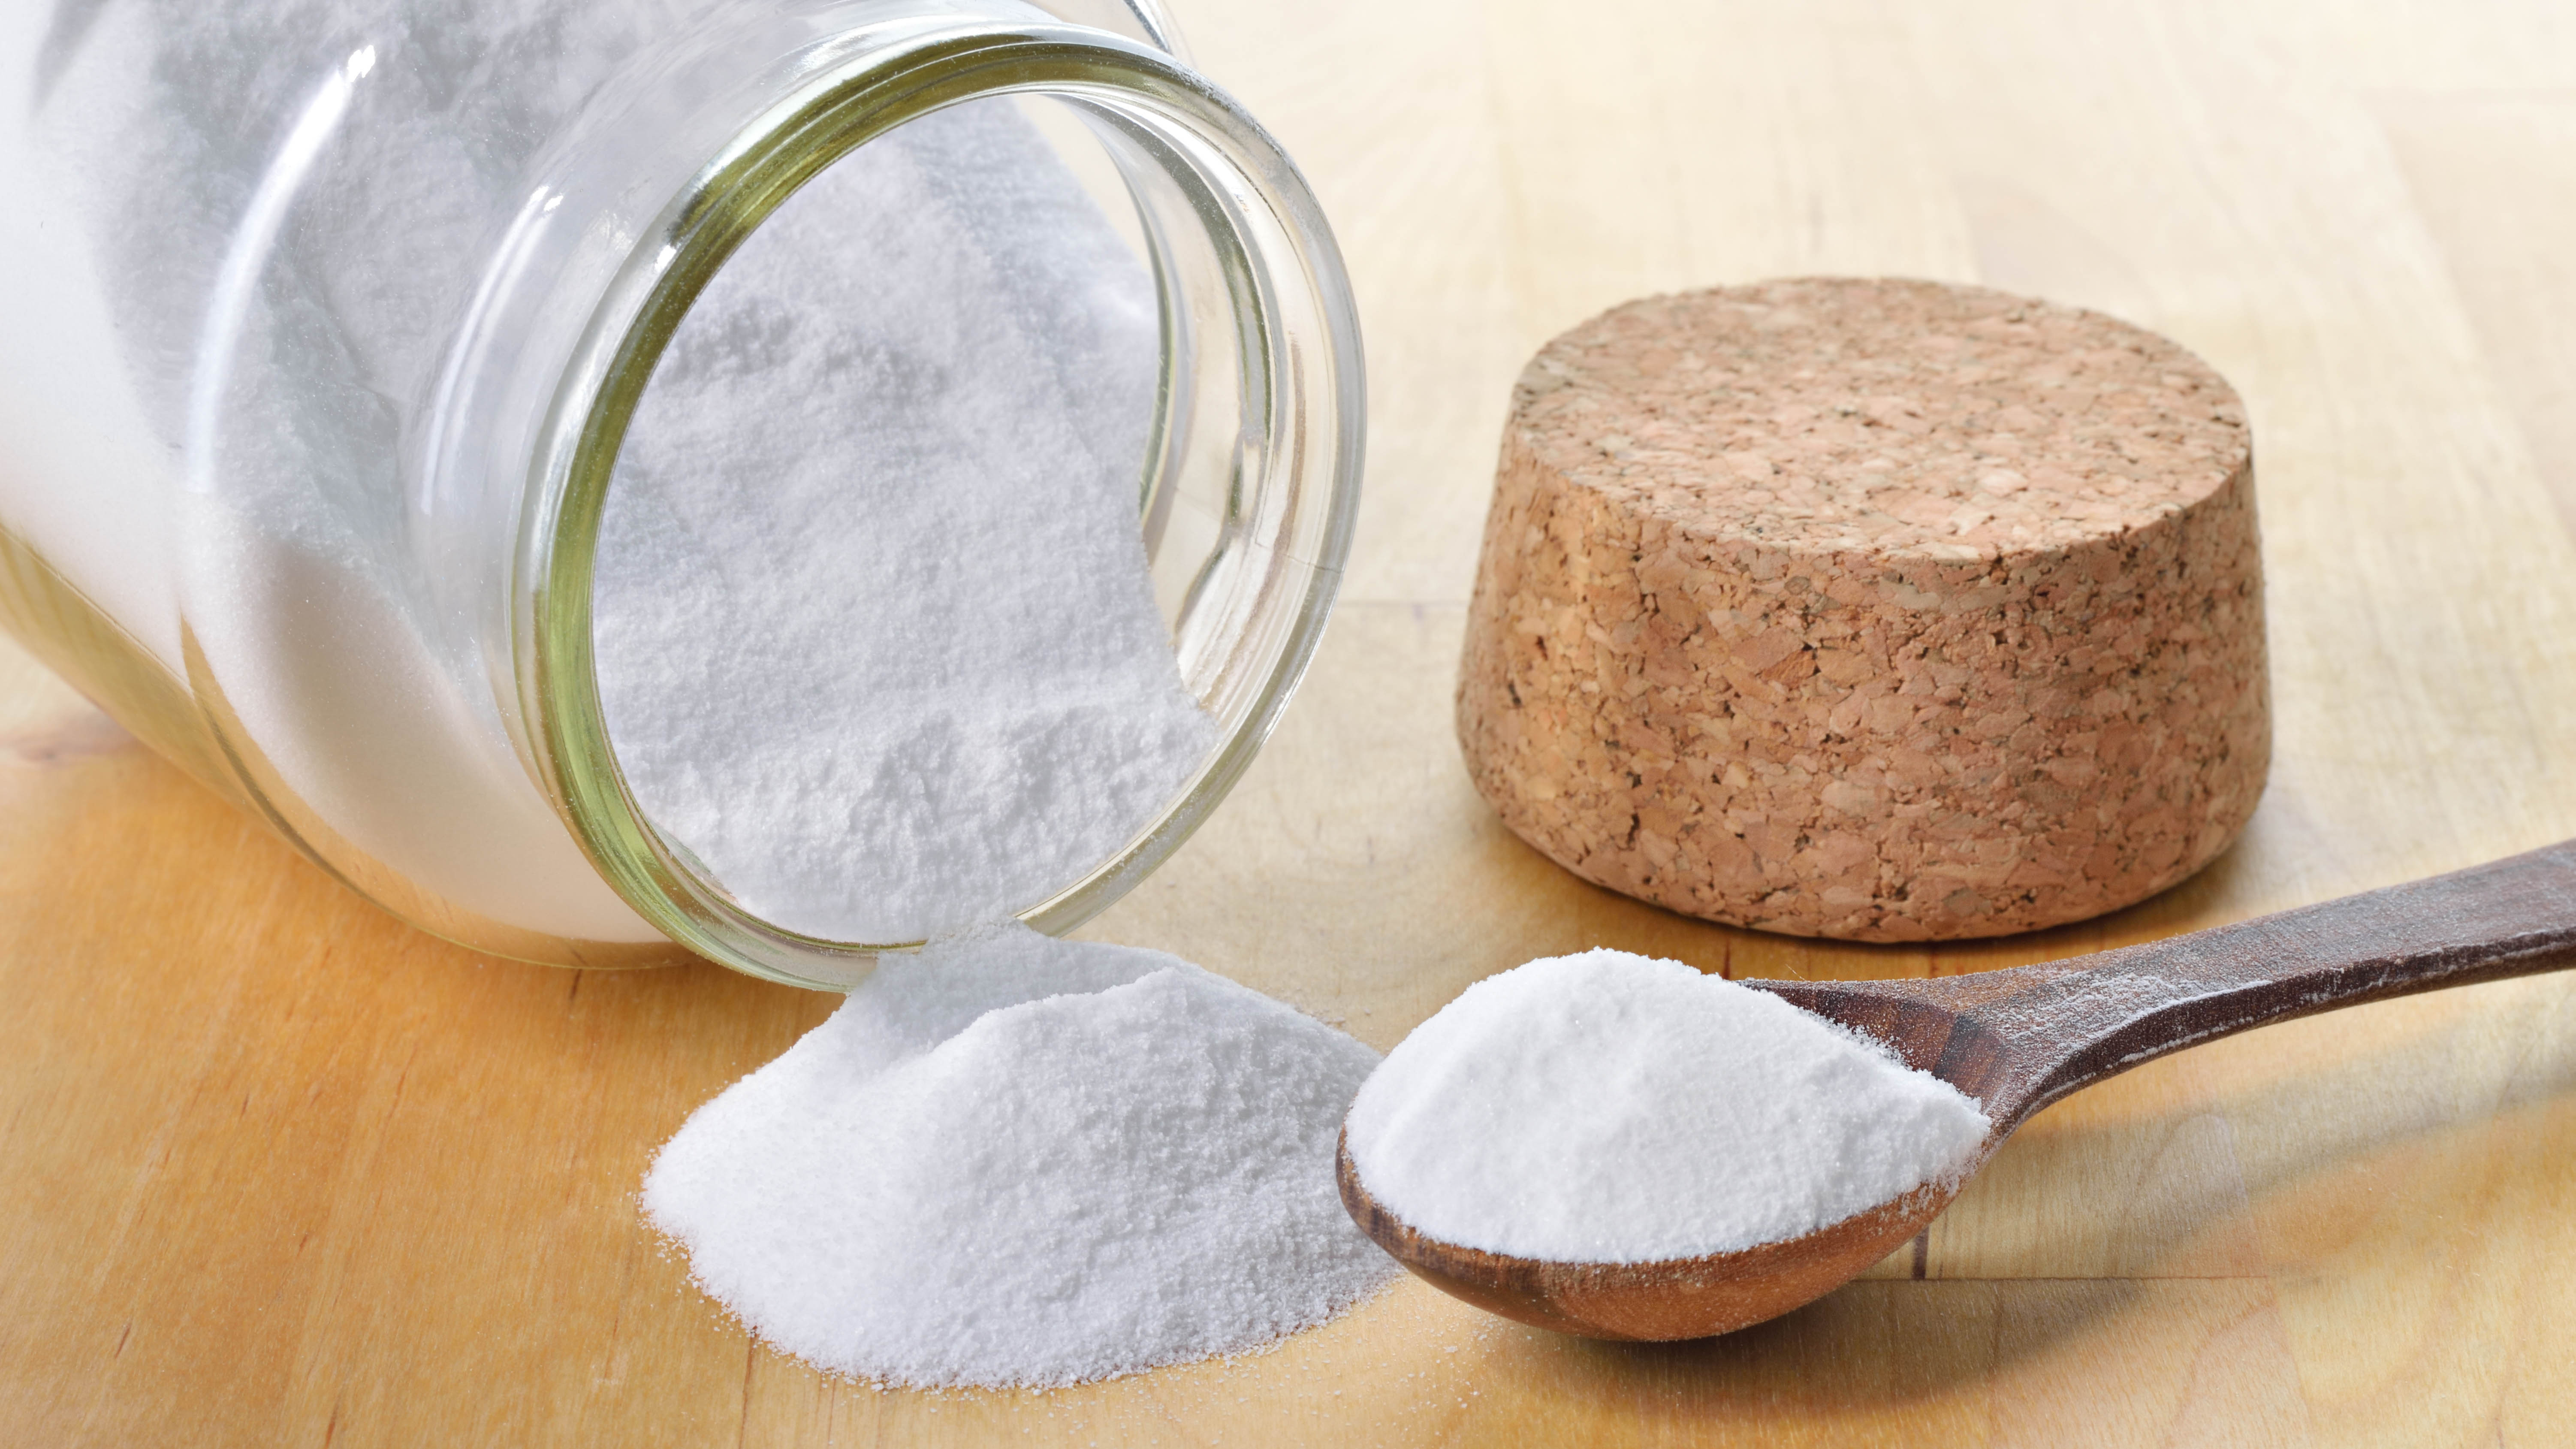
(2017, 1040)
(1659, 1301)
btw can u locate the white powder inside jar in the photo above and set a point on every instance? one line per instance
(1010, 1160)
(1608, 1108)
(876, 638)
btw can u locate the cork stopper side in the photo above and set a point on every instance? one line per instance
(1880, 610)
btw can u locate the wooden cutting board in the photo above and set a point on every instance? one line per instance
(274, 1169)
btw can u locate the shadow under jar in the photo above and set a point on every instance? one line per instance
(344, 357)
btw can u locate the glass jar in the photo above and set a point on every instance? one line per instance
(330, 318)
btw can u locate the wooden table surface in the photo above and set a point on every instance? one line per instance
(277, 1170)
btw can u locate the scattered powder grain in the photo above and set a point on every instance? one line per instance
(1608, 1108)
(1011, 1160)
(876, 638)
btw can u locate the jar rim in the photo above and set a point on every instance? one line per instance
(1300, 339)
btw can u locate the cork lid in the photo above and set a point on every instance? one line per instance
(1893, 418)
(1887, 610)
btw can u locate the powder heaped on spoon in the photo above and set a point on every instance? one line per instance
(1609, 1108)
(1011, 1160)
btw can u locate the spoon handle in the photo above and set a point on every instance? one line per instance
(2022, 1038)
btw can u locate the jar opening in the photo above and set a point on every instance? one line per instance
(1110, 452)
(871, 615)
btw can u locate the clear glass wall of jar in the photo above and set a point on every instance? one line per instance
(231, 473)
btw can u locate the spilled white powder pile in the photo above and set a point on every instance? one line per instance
(876, 638)
(1608, 1108)
(1010, 1160)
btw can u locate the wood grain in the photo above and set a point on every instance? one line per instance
(275, 1170)
(2020, 1039)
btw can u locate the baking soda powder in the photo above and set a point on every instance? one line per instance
(1011, 1160)
(1608, 1108)
(876, 639)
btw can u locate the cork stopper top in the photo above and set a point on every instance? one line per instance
(1896, 418)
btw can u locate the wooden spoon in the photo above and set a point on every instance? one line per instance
(2019, 1039)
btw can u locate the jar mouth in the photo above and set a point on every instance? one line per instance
(1257, 413)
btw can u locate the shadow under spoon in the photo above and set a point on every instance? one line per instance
(2017, 1040)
